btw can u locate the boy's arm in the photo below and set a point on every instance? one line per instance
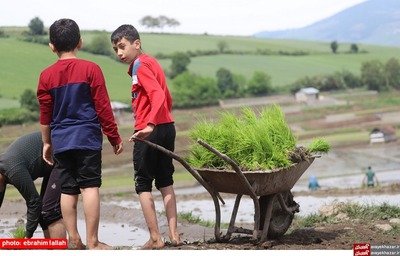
(154, 92)
(22, 181)
(103, 109)
(46, 111)
(47, 145)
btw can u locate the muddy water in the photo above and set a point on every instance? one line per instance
(341, 168)
(120, 234)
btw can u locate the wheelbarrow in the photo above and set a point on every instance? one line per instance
(274, 207)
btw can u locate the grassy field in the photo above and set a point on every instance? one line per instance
(22, 62)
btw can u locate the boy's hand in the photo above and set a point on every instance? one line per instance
(48, 153)
(2, 182)
(143, 133)
(118, 148)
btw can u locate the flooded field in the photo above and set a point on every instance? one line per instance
(122, 222)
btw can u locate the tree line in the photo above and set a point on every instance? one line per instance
(375, 75)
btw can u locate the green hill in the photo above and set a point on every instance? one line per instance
(22, 62)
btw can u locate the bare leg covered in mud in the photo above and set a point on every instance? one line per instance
(91, 208)
(149, 212)
(69, 212)
(169, 200)
(55, 230)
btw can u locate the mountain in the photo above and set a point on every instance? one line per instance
(374, 22)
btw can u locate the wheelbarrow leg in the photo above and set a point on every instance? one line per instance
(268, 216)
(217, 227)
(231, 228)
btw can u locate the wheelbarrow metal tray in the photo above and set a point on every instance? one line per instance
(264, 182)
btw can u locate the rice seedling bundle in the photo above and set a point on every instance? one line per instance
(255, 141)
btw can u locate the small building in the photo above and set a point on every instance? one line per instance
(118, 109)
(384, 134)
(307, 94)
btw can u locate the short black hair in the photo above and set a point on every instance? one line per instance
(65, 35)
(128, 31)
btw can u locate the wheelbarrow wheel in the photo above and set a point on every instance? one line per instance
(280, 219)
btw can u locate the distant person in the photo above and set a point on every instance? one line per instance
(152, 105)
(75, 111)
(20, 165)
(313, 184)
(370, 177)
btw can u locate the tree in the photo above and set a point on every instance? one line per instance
(240, 82)
(149, 22)
(372, 75)
(162, 21)
(173, 23)
(331, 82)
(222, 45)
(100, 44)
(334, 46)
(259, 84)
(180, 61)
(29, 101)
(158, 22)
(229, 84)
(224, 79)
(3, 34)
(191, 90)
(350, 80)
(354, 48)
(36, 27)
(392, 73)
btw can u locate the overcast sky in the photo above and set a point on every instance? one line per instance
(222, 17)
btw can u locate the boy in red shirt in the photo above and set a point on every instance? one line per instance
(152, 105)
(75, 111)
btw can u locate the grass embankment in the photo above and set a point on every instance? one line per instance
(350, 213)
(346, 213)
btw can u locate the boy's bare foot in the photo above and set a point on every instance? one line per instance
(76, 245)
(175, 240)
(151, 244)
(101, 246)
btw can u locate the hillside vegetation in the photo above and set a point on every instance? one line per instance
(22, 62)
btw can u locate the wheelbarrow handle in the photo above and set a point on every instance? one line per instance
(234, 165)
(185, 164)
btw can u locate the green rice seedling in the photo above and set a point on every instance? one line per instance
(253, 140)
(18, 233)
(319, 145)
(189, 217)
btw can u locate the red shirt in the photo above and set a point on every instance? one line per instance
(151, 99)
(74, 100)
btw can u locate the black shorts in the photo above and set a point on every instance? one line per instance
(78, 169)
(151, 164)
(50, 194)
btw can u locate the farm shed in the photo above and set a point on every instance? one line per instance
(383, 134)
(118, 109)
(307, 94)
